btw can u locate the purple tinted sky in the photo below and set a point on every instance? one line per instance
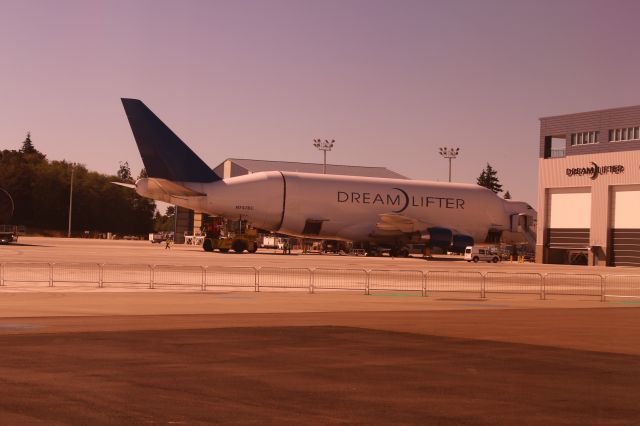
(391, 81)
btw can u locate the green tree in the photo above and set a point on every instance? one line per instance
(165, 222)
(124, 172)
(27, 145)
(29, 151)
(40, 191)
(489, 179)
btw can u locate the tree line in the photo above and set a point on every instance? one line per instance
(40, 190)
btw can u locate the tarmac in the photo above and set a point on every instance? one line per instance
(77, 357)
(40, 249)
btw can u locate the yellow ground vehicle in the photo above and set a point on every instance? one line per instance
(224, 235)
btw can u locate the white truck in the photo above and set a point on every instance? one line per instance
(477, 254)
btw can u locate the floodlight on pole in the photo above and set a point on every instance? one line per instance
(449, 153)
(324, 145)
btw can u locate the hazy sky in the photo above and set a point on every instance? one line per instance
(390, 81)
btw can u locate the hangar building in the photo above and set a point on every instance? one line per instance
(589, 188)
(187, 220)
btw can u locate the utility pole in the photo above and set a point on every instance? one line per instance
(73, 167)
(449, 153)
(324, 146)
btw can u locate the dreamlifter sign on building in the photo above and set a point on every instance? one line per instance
(582, 191)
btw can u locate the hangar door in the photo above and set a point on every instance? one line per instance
(569, 221)
(624, 237)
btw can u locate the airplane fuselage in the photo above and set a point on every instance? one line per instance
(346, 207)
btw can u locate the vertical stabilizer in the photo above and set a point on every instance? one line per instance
(163, 153)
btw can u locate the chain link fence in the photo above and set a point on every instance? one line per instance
(198, 278)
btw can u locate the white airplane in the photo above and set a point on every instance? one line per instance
(377, 212)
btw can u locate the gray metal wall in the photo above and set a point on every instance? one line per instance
(600, 121)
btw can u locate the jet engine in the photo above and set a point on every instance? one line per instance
(439, 237)
(460, 242)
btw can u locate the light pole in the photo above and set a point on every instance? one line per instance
(449, 153)
(324, 146)
(73, 167)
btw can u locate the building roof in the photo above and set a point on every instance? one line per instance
(252, 166)
(615, 110)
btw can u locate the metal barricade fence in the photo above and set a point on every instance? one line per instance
(454, 282)
(75, 273)
(197, 277)
(567, 284)
(514, 283)
(627, 286)
(340, 279)
(126, 275)
(22, 272)
(292, 278)
(231, 276)
(178, 277)
(395, 280)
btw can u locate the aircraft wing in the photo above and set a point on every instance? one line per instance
(390, 222)
(394, 224)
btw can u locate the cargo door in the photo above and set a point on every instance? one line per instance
(624, 235)
(568, 231)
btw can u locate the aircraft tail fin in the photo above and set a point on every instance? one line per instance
(163, 153)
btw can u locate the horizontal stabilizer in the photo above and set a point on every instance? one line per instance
(126, 185)
(164, 155)
(171, 188)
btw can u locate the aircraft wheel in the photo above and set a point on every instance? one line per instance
(476, 259)
(239, 246)
(207, 245)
